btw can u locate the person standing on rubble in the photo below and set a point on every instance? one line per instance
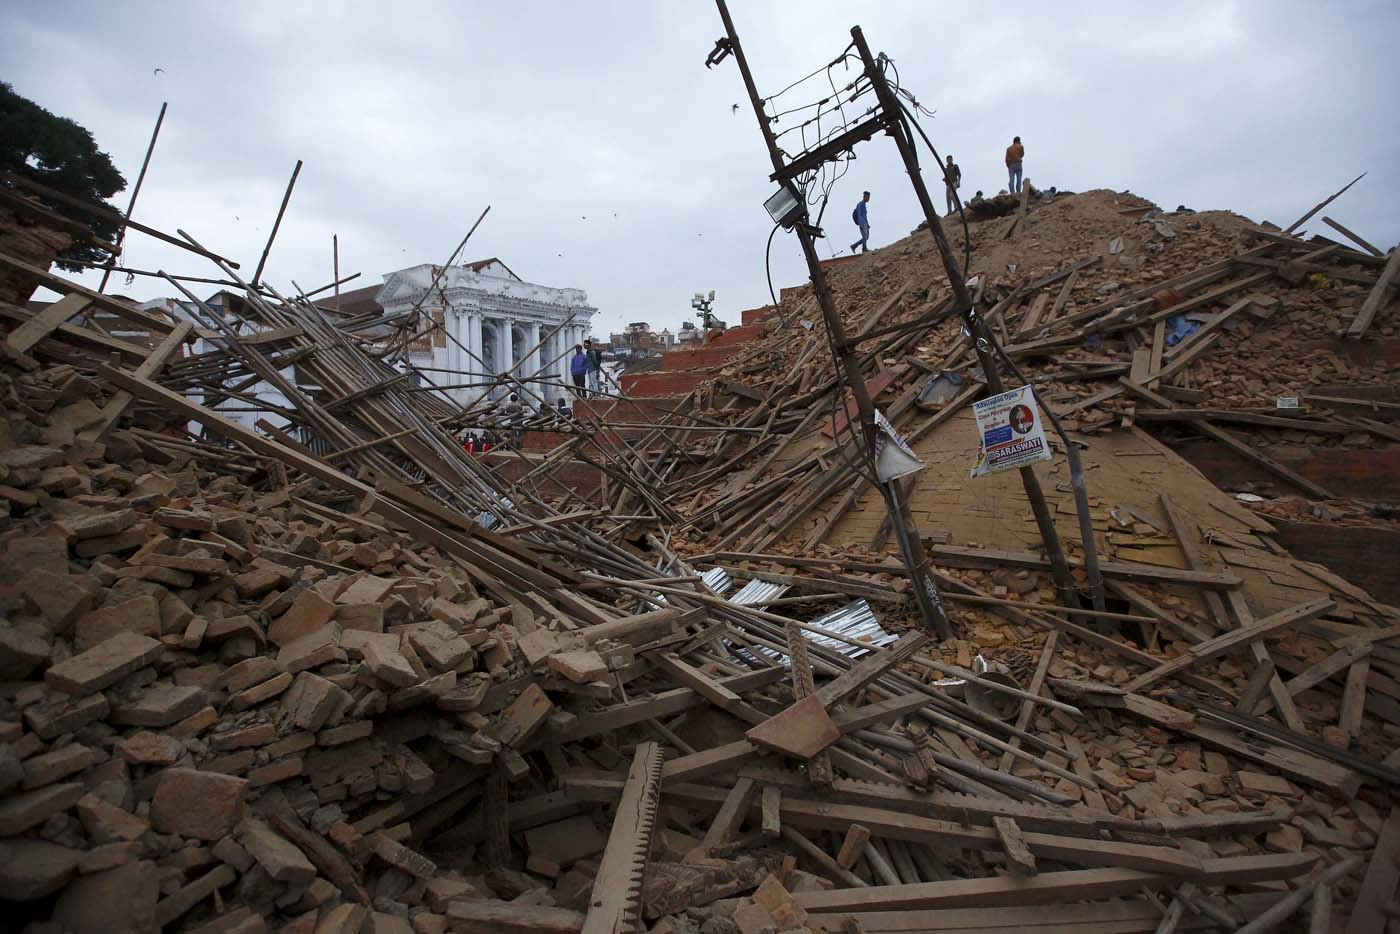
(952, 178)
(862, 220)
(578, 371)
(595, 366)
(1014, 154)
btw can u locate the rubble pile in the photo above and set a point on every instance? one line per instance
(342, 676)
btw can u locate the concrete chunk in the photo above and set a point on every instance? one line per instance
(308, 613)
(20, 653)
(396, 854)
(578, 667)
(103, 665)
(308, 703)
(147, 748)
(161, 704)
(31, 869)
(191, 803)
(390, 667)
(51, 766)
(275, 853)
(20, 812)
(107, 823)
(139, 615)
(311, 650)
(60, 598)
(118, 901)
(52, 720)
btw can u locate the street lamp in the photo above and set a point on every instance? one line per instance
(702, 305)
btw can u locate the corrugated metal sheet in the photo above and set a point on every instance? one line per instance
(489, 519)
(718, 580)
(854, 621)
(756, 592)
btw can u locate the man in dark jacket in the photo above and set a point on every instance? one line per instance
(862, 219)
(952, 178)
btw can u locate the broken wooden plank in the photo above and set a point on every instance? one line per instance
(614, 907)
(1018, 855)
(1379, 297)
(1230, 641)
(731, 814)
(1378, 888)
(802, 730)
(24, 337)
(1050, 887)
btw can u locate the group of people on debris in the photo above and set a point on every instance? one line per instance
(952, 178)
(585, 372)
(586, 369)
(515, 418)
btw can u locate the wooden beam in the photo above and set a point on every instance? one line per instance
(1050, 887)
(22, 338)
(1354, 238)
(730, 816)
(1380, 296)
(1018, 856)
(695, 679)
(1263, 460)
(872, 666)
(85, 338)
(1235, 639)
(152, 365)
(1378, 888)
(1322, 204)
(67, 287)
(961, 556)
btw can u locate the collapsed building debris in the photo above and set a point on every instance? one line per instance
(650, 665)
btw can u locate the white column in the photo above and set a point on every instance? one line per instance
(473, 342)
(535, 360)
(461, 326)
(505, 355)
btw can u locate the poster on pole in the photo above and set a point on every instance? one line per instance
(894, 458)
(1009, 428)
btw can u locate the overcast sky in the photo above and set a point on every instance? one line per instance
(612, 159)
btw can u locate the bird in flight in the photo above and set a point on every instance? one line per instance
(734, 108)
(161, 70)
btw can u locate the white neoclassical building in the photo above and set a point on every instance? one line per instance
(492, 322)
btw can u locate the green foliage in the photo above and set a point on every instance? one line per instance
(57, 152)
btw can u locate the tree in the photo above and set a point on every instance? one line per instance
(59, 153)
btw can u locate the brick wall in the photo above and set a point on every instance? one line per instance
(663, 383)
(755, 315)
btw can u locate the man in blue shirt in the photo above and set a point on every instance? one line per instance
(863, 222)
(578, 370)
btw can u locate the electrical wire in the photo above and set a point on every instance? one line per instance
(768, 268)
(957, 200)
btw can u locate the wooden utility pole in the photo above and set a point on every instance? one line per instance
(135, 190)
(286, 196)
(976, 325)
(916, 560)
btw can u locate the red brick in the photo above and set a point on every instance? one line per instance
(191, 803)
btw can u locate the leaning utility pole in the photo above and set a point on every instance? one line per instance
(916, 560)
(980, 334)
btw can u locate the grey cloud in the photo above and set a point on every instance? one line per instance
(411, 117)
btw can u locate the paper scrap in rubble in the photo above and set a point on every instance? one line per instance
(1009, 427)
